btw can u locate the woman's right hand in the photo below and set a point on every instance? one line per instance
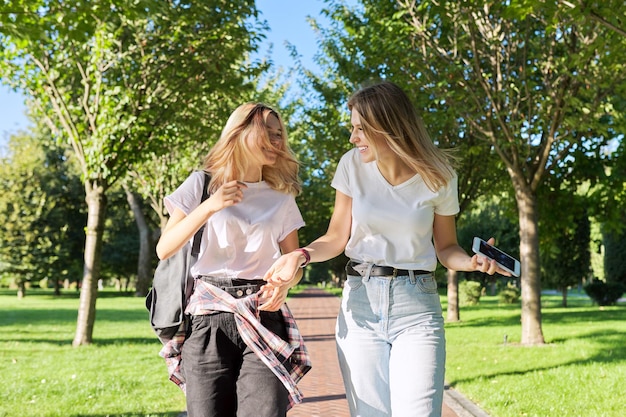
(228, 194)
(180, 227)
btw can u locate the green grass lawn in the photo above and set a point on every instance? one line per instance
(120, 374)
(579, 372)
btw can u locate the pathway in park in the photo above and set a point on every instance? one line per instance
(315, 311)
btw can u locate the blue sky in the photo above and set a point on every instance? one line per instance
(287, 21)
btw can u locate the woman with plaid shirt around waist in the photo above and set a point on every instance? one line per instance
(242, 354)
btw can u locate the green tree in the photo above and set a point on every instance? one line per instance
(40, 202)
(355, 52)
(614, 259)
(565, 243)
(121, 81)
(533, 82)
(120, 250)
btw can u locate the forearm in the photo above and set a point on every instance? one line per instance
(180, 229)
(325, 247)
(287, 270)
(454, 257)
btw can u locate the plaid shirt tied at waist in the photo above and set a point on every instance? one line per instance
(289, 361)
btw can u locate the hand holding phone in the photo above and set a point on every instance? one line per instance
(504, 260)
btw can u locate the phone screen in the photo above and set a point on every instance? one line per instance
(497, 255)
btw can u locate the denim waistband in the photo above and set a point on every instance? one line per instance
(237, 287)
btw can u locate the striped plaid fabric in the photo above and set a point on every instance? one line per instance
(289, 360)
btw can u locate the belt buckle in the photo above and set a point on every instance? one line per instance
(395, 272)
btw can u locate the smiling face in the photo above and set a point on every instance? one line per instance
(370, 148)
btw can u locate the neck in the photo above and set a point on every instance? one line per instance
(395, 171)
(253, 175)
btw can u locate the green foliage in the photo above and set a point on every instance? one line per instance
(605, 293)
(565, 239)
(42, 207)
(510, 294)
(122, 82)
(489, 217)
(506, 81)
(120, 250)
(469, 293)
(614, 255)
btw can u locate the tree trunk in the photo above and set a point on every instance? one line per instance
(530, 277)
(144, 264)
(21, 289)
(453, 296)
(564, 299)
(96, 210)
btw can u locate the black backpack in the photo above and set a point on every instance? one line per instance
(172, 285)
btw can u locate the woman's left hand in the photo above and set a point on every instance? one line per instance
(284, 270)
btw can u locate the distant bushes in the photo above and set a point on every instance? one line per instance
(605, 293)
(510, 294)
(469, 293)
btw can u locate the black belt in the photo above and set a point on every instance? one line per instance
(383, 271)
(236, 287)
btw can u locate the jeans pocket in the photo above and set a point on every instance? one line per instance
(353, 282)
(426, 284)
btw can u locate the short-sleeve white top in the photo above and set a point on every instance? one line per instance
(241, 241)
(392, 225)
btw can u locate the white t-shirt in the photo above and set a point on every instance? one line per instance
(241, 241)
(392, 225)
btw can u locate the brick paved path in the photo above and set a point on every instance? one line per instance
(324, 396)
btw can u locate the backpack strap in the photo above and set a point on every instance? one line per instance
(195, 248)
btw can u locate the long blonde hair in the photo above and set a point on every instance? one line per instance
(228, 159)
(387, 112)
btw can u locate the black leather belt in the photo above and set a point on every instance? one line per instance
(383, 271)
(236, 287)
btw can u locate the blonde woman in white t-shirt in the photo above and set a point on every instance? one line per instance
(395, 206)
(227, 363)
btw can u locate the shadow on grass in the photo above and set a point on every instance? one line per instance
(65, 294)
(40, 316)
(97, 341)
(564, 316)
(509, 314)
(611, 350)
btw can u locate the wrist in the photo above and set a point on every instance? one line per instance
(307, 256)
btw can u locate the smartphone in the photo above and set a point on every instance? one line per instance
(505, 261)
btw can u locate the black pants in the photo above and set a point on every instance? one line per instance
(224, 378)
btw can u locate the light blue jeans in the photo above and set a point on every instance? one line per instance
(391, 346)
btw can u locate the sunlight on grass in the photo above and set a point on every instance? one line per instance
(121, 374)
(579, 372)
